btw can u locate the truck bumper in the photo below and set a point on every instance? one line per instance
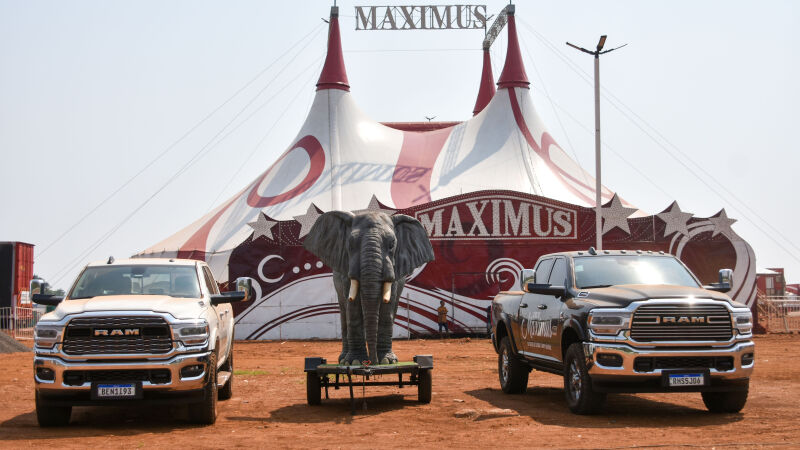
(617, 367)
(57, 378)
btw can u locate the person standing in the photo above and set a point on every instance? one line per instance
(442, 319)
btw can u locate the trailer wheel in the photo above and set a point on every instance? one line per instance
(313, 388)
(425, 387)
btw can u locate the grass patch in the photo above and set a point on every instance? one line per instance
(250, 372)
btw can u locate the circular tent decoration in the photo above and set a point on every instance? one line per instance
(316, 156)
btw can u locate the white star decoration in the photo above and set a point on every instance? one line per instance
(374, 205)
(262, 227)
(676, 220)
(616, 216)
(722, 224)
(307, 220)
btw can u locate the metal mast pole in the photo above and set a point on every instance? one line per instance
(597, 166)
(598, 226)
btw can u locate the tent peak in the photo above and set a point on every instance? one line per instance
(513, 74)
(486, 90)
(334, 74)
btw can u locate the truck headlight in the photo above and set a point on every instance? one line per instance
(609, 322)
(46, 336)
(191, 333)
(743, 321)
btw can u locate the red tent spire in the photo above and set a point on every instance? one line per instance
(486, 91)
(513, 74)
(334, 75)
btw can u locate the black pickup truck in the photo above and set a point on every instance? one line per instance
(624, 321)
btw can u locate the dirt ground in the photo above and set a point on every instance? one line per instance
(468, 410)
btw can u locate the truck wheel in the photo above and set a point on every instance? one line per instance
(726, 402)
(581, 398)
(425, 387)
(313, 388)
(227, 391)
(205, 412)
(51, 416)
(513, 372)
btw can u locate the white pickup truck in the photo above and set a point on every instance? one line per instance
(136, 331)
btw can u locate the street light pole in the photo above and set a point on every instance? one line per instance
(597, 166)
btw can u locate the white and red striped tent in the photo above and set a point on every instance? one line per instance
(502, 158)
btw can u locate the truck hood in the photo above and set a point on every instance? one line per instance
(180, 308)
(623, 295)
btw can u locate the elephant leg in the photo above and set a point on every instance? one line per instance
(356, 342)
(388, 312)
(341, 285)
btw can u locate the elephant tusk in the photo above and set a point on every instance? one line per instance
(387, 291)
(353, 290)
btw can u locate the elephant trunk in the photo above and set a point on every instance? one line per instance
(371, 287)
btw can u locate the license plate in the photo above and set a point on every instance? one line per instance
(116, 391)
(687, 379)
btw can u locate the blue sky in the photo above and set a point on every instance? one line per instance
(93, 91)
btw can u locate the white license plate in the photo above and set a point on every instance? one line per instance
(687, 379)
(116, 390)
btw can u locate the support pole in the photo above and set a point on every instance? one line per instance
(597, 166)
(598, 186)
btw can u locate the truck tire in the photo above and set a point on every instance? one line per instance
(313, 389)
(51, 416)
(425, 387)
(726, 402)
(227, 391)
(581, 397)
(512, 371)
(205, 412)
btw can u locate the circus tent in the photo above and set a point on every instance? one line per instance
(494, 169)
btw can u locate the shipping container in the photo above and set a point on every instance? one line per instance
(16, 271)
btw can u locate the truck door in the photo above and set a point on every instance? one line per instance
(223, 311)
(530, 317)
(551, 307)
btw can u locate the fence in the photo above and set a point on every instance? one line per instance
(779, 314)
(19, 322)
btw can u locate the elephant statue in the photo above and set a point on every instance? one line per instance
(371, 255)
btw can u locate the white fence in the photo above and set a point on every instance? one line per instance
(779, 314)
(19, 322)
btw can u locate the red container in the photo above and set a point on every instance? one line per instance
(16, 271)
(23, 272)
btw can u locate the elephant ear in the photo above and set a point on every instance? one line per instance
(413, 246)
(328, 239)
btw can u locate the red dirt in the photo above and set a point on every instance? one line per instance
(269, 408)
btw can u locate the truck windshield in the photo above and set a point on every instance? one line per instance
(612, 270)
(175, 281)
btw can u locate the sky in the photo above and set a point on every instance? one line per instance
(121, 122)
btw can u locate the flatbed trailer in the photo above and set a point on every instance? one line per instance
(318, 377)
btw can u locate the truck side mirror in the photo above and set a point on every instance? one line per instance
(547, 289)
(725, 283)
(38, 287)
(245, 284)
(726, 276)
(244, 292)
(526, 276)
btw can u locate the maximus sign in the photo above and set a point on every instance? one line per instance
(428, 17)
(498, 217)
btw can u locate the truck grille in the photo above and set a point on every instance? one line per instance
(117, 335)
(681, 322)
(649, 364)
(154, 376)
